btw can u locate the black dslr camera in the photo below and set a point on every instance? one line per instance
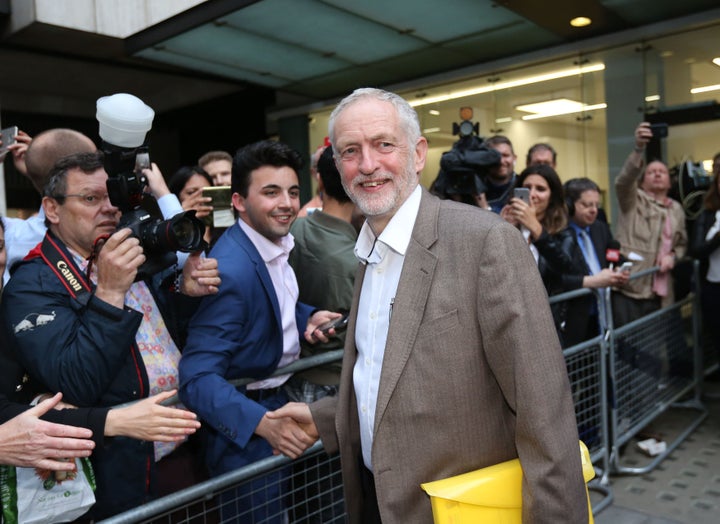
(124, 162)
(159, 238)
(464, 169)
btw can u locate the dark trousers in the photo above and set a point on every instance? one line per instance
(370, 510)
(626, 309)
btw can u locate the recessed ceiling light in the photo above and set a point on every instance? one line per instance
(503, 120)
(559, 106)
(499, 86)
(580, 21)
(434, 112)
(705, 89)
(652, 98)
(716, 60)
(431, 130)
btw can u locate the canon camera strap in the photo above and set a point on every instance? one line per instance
(62, 264)
(72, 278)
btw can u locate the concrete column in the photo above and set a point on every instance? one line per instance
(294, 132)
(625, 96)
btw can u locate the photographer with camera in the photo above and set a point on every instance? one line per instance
(651, 231)
(79, 322)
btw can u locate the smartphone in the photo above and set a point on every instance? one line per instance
(659, 130)
(8, 136)
(523, 194)
(221, 196)
(340, 324)
(626, 266)
(221, 201)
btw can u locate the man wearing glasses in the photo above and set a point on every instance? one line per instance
(39, 157)
(79, 324)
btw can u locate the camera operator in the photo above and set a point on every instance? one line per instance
(501, 181)
(464, 171)
(79, 323)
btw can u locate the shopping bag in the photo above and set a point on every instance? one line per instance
(35, 496)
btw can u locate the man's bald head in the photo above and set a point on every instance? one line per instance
(50, 146)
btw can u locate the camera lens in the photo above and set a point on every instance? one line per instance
(186, 234)
(183, 232)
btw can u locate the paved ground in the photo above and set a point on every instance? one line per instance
(685, 487)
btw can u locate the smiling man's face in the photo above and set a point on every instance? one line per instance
(272, 202)
(379, 168)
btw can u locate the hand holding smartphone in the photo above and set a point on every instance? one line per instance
(8, 137)
(339, 324)
(626, 267)
(522, 193)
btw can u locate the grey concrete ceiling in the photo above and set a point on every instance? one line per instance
(309, 50)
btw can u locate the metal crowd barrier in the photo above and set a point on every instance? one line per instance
(655, 362)
(588, 373)
(621, 380)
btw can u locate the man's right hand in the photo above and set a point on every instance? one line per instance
(290, 430)
(117, 263)
(643, 134)
(148, 419)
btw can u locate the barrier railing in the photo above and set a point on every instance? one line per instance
(655, 361)
(588, 373)
(621, 380)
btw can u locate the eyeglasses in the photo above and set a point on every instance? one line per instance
(89, 199)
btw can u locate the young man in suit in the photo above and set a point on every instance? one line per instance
(452, 362)
(251, 328)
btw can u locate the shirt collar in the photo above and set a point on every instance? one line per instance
(268, 249)
(578, 229)
(396, 234)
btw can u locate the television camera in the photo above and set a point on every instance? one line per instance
(464, 169)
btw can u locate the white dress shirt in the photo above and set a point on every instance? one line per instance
(286, 289)
(384, 257)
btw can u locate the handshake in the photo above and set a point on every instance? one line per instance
(290, 430)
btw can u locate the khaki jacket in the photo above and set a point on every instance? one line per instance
(473, 375)
(640, 225)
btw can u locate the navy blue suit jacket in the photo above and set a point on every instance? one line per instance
(236, 333)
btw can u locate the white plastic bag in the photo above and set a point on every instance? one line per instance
(36, 496)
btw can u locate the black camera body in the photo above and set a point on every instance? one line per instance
(464, 169)
(159, 238)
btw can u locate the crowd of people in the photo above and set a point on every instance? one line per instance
(452, 353)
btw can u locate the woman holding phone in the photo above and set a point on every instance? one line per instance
(538, 209)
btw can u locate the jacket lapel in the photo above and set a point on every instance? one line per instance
(409, 306)
(246, 244)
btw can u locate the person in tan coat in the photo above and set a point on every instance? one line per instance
(650, 229)
(451, 360)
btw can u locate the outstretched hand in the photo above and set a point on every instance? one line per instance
(149, 420)
(28, 441)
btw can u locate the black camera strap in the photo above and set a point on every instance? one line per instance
(62, 264)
